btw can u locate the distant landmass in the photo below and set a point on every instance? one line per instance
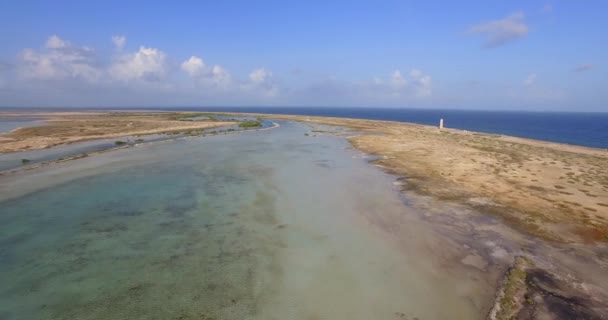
(579, 128)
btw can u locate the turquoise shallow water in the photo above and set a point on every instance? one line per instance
(262, 225)
(13, 160)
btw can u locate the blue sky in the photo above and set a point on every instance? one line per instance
(524, 55)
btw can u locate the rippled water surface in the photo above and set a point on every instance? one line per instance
(272, 224)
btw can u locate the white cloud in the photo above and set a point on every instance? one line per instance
(547, 8)
(193, 66)
(147, 64)
(203, 75)
(583, 67)
(261, 81)
(60, 60)
(530, 80)
(259, 75)
(417, 85)
(502, 31)
(422, 83)
(220, 76)
(54, 42)
(119, 41)
(146, 75)
(397, 88)
(397, 80)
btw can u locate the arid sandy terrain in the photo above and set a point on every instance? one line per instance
(72, 127)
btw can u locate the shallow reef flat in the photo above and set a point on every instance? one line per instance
(259, 225)
(286, 223)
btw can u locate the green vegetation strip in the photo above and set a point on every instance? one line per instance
(250, 124)
(512, 294)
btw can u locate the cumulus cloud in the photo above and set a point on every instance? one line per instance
(147, 75)
(530, 80)
(220, 76)
(416, 84)
(62, 60)
(119, 41)
(261, 81)
(146, 65)
(502, 31)
(54, 42)
(215, 76)
(397, 80)
(59, 60)
(259, 75)
(583, 67)
(422, 83)
(193, 66)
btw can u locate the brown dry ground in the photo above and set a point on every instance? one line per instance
(555, 191)
(69, 127)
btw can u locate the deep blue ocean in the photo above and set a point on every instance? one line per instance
(585, 129)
